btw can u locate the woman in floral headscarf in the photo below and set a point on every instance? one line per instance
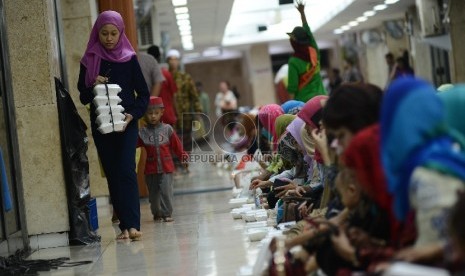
(110, 58)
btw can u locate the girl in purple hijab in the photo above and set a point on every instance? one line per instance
(110, 58)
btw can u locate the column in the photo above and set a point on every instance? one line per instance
(33, 55)
(457, 25)
(126, 9)
(260, 74)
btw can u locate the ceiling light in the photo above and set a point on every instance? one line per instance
(182, 16)
(185, 28)
(338, 31)
(380, 7)
(369, 13)
(184, 22)
(185, 32)
(179, 2)
(181, 10)
(353, 23)
(389, 2)
(345, 28)
(186, 39)
(362, 19)
(188, 46)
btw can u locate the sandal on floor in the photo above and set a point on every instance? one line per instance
(135, 235)
(168, 219)
(123, 235)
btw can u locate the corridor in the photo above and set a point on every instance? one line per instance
(203, 240)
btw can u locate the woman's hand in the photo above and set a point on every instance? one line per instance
(321, 144)
(260, 184)
(100, 80)
(281, 191)
(127, 120)
(299, 191)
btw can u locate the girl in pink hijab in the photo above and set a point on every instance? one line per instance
(110, 58)
(267, 116)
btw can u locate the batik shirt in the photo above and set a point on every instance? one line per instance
(187, 101)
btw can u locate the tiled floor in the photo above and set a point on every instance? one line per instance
(203, 240)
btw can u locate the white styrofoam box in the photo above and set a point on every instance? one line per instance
(258, 224)
(113, 90)
(249, 216)
(104, 110)
(109, 127)
(107, 118)
(236, 214)
(103, 100)
(119, 126)
(257, 234)
(105, 128)
(237, 202)
(261, 215)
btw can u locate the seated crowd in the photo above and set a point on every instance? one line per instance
(371, 177)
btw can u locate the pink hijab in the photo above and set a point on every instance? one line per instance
(267, 116)
(95, 51)
(310, 109)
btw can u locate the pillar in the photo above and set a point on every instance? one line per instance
(126, 9)
(34, 56)
(457, 25)
(260, 74)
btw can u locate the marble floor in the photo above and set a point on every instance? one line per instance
(203, 240)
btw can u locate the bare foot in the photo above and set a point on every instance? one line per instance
(168, 219)
(124, 235)
(135, 235)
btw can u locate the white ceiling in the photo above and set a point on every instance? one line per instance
(210, 28)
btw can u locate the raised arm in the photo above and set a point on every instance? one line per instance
(300, 5)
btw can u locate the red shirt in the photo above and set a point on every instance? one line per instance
(168, 88)
(159, 141)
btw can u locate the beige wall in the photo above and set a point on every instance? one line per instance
(78, 17)
(211, 73)
(33, 56)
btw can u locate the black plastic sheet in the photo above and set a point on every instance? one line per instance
(74, 144)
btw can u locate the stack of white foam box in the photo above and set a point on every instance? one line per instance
(110, 117)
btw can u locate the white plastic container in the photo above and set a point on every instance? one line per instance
(113, 90)
(237, 202)
(106, 109)
(103, 100)
(258, 224)
(257, 234)
(107, 118)
(249, 216)
(108, 127)
(119, 126)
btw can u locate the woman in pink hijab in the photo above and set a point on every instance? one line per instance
(267, 116)
(110, 58)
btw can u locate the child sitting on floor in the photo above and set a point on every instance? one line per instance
(157, 140)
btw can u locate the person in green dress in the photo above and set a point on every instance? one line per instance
(304, 79)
